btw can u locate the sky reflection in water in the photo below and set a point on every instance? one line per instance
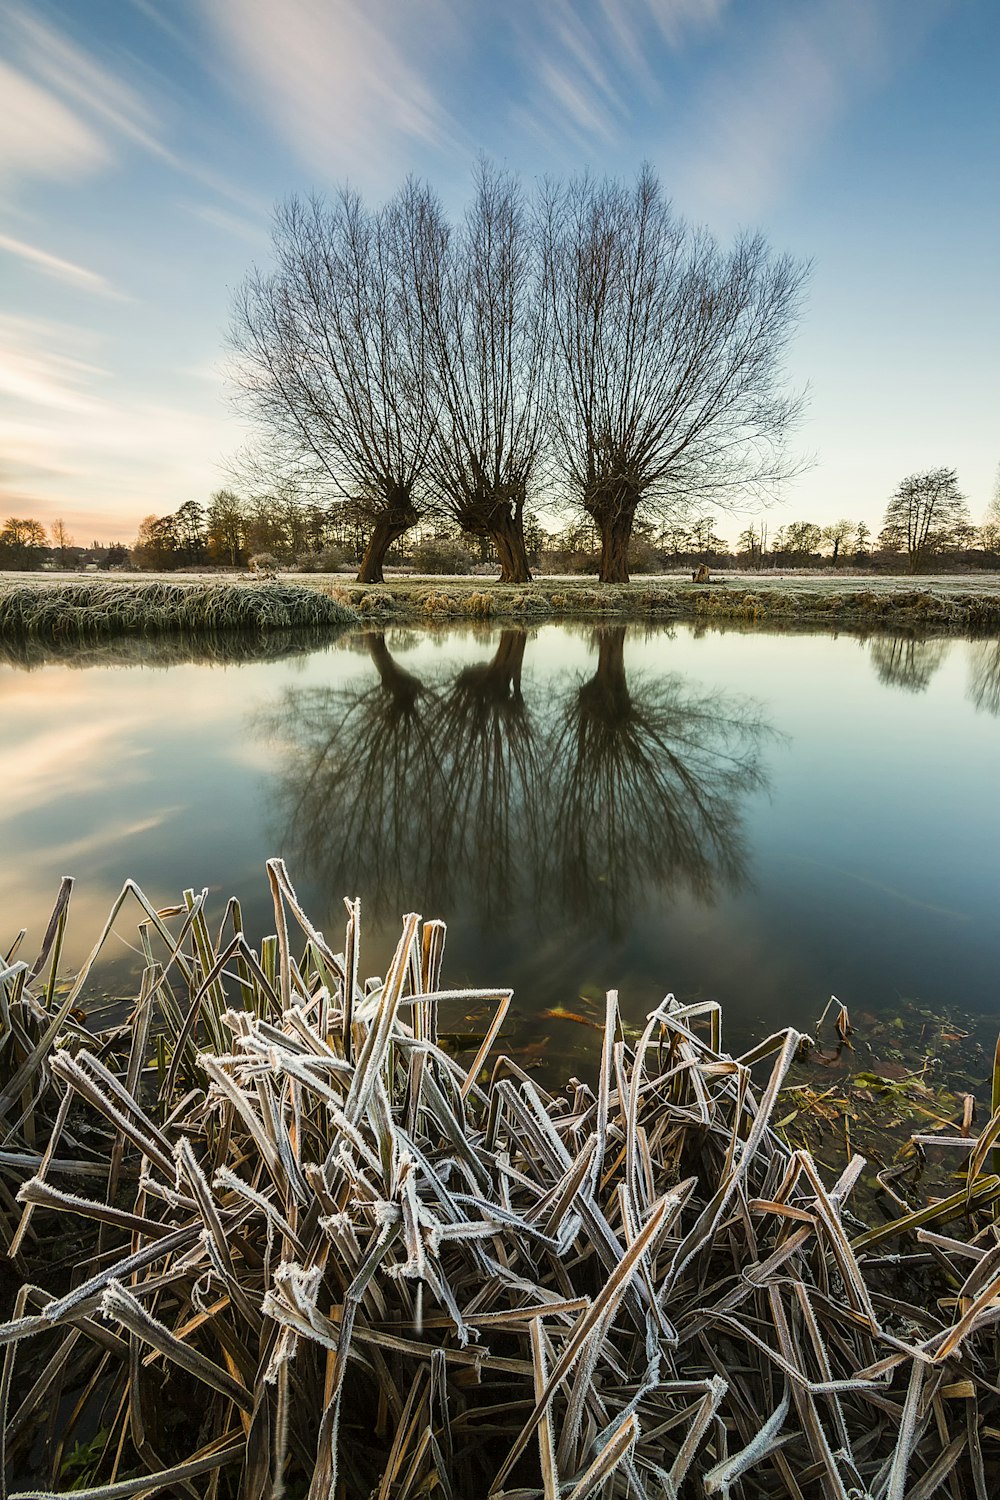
(760, 818)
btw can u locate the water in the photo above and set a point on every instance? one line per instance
(760, 818)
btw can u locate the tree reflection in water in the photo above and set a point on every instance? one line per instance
(984, 676)
(492, 777)
(404, 788)
(647, 782)
(903, 662)
(357, 792)
(569, 806)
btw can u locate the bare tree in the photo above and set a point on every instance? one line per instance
(484, 311)
(904, 662)
(332, 355)
(61, 539)
(984, 676)
(667, 354)
(539, 809)
(438, 783)
(752, 544)
(926, 517)
(647, 780)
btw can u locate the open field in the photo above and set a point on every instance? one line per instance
(45, 604)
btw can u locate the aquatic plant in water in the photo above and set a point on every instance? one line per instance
(320, 1255)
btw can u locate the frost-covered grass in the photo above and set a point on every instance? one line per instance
(91, 609)
(276, 1230)
(861, 603)
(952, 603)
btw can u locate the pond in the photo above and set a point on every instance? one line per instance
(765, 819)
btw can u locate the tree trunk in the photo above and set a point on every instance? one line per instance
(404, 688)
(606, 698)
(487, 516)
(498, 680)
(509, 656)
(508, 538)
(390, 524)
(616, 533)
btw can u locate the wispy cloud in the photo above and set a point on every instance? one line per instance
(252, 231)
(54, 265)
(677, 20)
(761, 114)
(76, 442)
(40, 365)
(67, 115)
(109, 837)
(40, 136)
(71, 760)
(592, 63)
(76, 79)
(582, 111)
(343, 82)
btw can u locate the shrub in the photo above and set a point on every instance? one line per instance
(442, 555)
(568, 560)
(89, 611)
(639, 1277)
(327, 560)
(643, 557)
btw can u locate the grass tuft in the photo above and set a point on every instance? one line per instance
(56, 612)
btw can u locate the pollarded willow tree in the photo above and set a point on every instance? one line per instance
(927, 518)
(484, 311)
(667, 352)
(333, 354)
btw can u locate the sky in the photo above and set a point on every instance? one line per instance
(144, 143)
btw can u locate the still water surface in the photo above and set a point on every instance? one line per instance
(764, 819)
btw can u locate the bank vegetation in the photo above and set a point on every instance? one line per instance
(54, 610)
(780, 601)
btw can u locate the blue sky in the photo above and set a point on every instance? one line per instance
(144, 142)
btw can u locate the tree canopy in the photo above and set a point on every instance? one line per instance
(926, 518)
(22, 543)
(418, 364)
(332, 353)
(667, 355)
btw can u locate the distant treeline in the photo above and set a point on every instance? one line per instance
(283, 530)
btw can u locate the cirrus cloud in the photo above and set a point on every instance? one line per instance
(343, 83)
